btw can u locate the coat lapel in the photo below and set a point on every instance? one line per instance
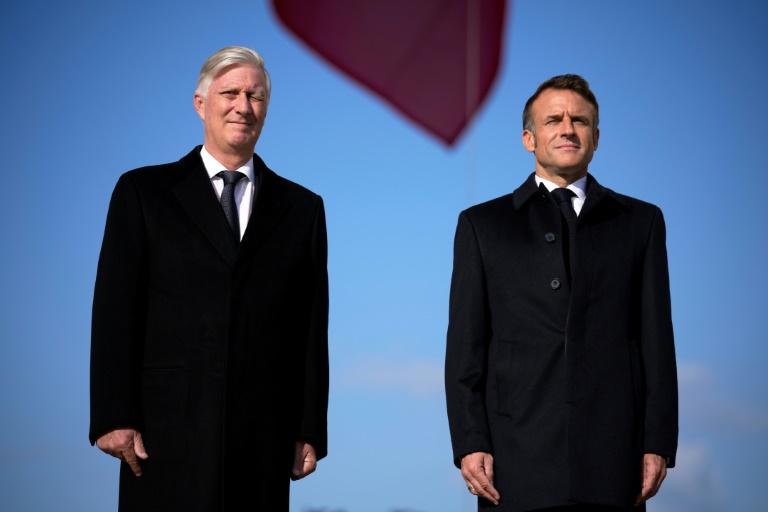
(598, 197)
(269, 206)
(196, 195)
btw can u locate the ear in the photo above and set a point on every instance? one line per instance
(199, 103)
(596, 136)
(529, 140)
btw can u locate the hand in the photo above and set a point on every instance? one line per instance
(654, 472)
(477, 470)
(304, 460)
(125, 444)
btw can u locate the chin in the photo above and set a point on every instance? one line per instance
(242, 142)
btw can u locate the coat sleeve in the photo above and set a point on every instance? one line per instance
(314, 418)
(658, 348)
(119, 316)
(469, 333)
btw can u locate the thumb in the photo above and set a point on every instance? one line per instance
(298, 461)
(138, 446)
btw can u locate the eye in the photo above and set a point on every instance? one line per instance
(228, 93)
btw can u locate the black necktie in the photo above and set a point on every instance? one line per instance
(563, 198)
(228, 199)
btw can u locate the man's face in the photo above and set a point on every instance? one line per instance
(565, 135)
(233, 110)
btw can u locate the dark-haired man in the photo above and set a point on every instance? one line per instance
(560, 368)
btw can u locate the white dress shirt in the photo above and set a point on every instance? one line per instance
(579, 187)
(243, 190)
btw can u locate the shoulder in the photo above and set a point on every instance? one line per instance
(631, 202)
(509, 204)
(603, 196)
(490, 209)
(284, 187)
(289, 187)
(169, 172)
(636, 207)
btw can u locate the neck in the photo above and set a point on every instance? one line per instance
(231, 161)
(561, 178)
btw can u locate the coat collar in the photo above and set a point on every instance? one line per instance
(597, 196)
(194, 192)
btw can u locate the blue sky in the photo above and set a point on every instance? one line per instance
(92, 89)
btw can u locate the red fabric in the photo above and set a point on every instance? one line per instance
(434, 60)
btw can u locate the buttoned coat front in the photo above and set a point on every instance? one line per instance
(566, 379)
(216, 352)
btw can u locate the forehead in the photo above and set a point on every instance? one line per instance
(558, 101)
(240, 74)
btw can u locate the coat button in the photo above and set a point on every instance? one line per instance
(549, 237)
(555, 283)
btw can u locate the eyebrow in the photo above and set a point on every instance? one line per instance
(239, 88)
(577, 117)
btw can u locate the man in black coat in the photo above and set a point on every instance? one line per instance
(209, 351)
(560, 368)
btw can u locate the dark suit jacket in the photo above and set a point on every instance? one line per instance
(216, 352)
(567, 384)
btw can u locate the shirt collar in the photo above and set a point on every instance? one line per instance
(579, 187)
(213, 166)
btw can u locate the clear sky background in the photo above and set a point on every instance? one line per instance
(93, 89)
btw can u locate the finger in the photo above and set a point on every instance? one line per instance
(653, 476)
(658, 477)
(487, 491)
(489, 473)
(477, 470)
(298, 462)
(645, 488)
(138, 446)
(307, 465)
(310, 464)
(479, 485)
(129, 456)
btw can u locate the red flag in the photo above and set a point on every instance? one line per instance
(434, 60)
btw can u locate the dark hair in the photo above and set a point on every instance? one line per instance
(573, 83)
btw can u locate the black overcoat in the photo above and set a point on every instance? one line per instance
(216, 352)
(567, 381)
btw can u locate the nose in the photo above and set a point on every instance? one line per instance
(567, 126)
(243, 105)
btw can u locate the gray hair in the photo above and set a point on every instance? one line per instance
(226, 57)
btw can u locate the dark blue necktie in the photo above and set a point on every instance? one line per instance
(228, 199)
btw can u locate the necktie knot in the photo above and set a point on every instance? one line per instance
(563, 194)
(230, 177)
